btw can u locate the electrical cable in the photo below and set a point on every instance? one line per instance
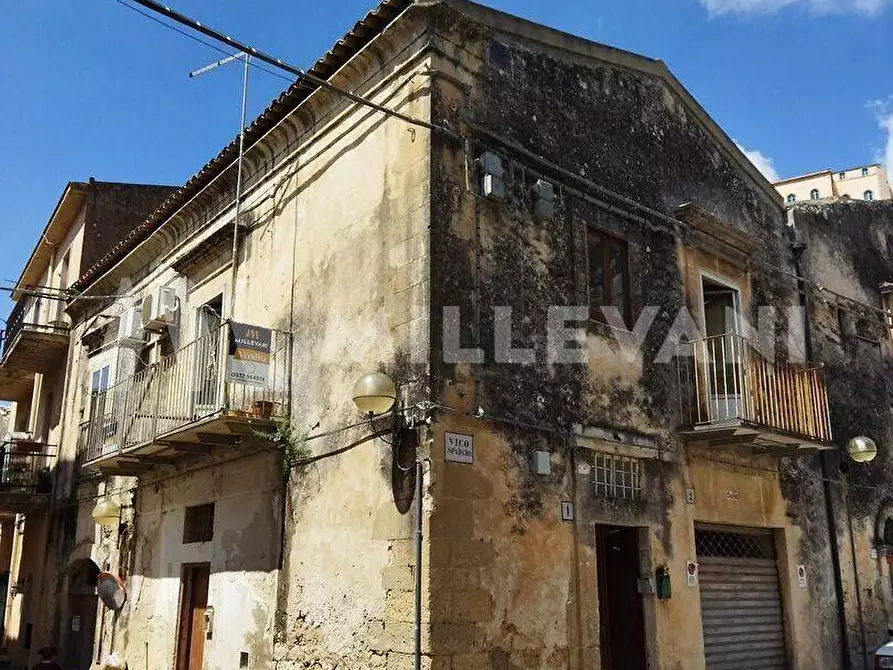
(210, 45)
(311, 459)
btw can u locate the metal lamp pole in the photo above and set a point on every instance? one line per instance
(246, 60)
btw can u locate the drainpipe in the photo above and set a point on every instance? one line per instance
(417, 596)
(835, 563)
(849, 520)
(797, 249)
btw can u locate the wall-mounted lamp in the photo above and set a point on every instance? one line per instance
(107, 514)
(374, 393)
(861, 449)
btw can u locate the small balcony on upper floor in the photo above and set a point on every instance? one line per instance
(26, 479)
(35, 340)
(730, 394)
(217, 392)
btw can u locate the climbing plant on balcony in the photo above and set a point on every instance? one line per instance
(291, 443)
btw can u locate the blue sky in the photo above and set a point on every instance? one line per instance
(90, 88)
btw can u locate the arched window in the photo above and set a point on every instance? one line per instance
(814, 194)
(792, 197)
(868, 195)
(865, 172)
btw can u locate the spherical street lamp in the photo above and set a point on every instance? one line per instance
(861, 449)
(374, 393)
(107, 514)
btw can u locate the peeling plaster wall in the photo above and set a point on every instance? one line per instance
(243, 556)
(356, 214)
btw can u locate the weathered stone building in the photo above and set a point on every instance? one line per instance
(845, 250)
(562, 262)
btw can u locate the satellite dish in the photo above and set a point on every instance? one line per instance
(111, 590)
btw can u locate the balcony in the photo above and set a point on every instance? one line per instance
(30, 344)
(25, 475)
(730, 394)
(192, 401)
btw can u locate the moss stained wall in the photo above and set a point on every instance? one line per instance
(848, 253)
(626, 131)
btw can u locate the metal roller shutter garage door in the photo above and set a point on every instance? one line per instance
(740, 600)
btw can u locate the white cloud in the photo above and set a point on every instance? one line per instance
(864, 7)
(763, 163)
(883, 112)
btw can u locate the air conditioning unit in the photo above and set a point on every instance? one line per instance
(130, 327)
(159, 310)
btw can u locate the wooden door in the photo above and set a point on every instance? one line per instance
(82, 630)
(621, 620)
(193, 604)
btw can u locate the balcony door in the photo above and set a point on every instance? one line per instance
(722, 348)
(207, 355)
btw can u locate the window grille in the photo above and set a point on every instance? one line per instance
(726, 544)
(617, 476)
(198, 524)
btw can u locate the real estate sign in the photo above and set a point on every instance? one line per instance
(248, 361)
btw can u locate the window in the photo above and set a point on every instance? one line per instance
(100, 380)
(206, 390)
(198, 524)
(792, 197)
(608, 275)
(868, 195)
(814, 194)
(617, 476)
(842, 320)
(865, 172)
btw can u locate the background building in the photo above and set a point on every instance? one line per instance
(89, 220)
(868, 182)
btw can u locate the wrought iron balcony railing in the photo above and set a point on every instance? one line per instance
(25, 469)
(27, 316)
(185, 388)
(724, 380)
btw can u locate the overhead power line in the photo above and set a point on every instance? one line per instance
(291, 69)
